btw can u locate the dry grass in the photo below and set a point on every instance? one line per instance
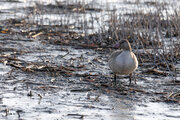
(153, 35)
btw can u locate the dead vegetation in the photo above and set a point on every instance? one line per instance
(149, 32)
(154, 37)
(60, 6)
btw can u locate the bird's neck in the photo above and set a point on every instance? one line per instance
(127, 48)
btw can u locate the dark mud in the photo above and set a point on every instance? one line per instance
(53, 72)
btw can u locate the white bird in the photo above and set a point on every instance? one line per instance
(123, 62)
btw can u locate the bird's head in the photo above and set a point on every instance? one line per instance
(123, 44)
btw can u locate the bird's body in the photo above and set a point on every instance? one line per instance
(123, 62)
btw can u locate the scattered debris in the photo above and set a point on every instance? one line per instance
(62, 80)
(80, 90)
(18, 112)
(30, 94)
(7, 111)
(154, 72)
(77, 116)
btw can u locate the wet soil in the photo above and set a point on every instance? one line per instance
(52, 72)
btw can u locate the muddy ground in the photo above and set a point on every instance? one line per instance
(54, 72)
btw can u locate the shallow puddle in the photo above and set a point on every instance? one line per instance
(4, 69)
(157, 111)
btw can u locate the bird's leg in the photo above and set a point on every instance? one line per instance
(130, 76)
(115, 79)
(135, 79)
